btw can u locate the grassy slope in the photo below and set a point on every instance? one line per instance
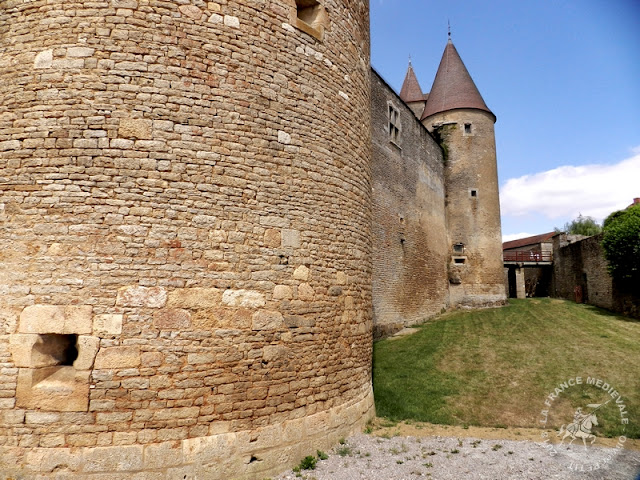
(495, 367)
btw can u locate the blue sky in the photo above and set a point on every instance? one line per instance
(563, 78)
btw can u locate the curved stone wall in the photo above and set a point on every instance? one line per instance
(185, 209)
(473, 206)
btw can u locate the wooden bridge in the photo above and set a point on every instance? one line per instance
(527, 258)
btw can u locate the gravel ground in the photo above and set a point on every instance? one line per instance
(370, 457)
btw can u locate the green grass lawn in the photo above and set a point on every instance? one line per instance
(496, 367)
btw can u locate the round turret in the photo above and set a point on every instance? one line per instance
(186, 235)
(460, 120)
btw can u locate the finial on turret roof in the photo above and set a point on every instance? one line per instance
(449, 29)
(409, 59)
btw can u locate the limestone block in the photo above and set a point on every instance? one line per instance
(43, 59)
(191, 11)
(284, 137)
(243, 298)
(282, 292)
(341, 278)
(136, 128)
(151, 359)
(216, 18)
(273, 221)
(299, 321)
(348, 302)
(290, 238)
(305, 292)
(56, 389)
(194, 298)
(107, 324)
(125, 3)
(136, 296)
(172, 319)
(301, 273)
(201, 358)
(56, 319)
(87, 350)
(110, 459)
(231, 21)
(118, 357)
(267, 320)
(9, 145)
(162, 455)
(208, 449)
(49, 460)
(215, 318)
(20, 346)
(204, 220)
(271, 353)
(272, 238)
(80, 51)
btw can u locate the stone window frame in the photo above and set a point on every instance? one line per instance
(49, 378)
(310, 16)
(394, 125)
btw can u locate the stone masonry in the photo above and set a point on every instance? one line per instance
(185, 216)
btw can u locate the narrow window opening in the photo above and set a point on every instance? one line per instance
(458, 260)
(467, 128)
(473, 192)
(55, 350)
(394, 124)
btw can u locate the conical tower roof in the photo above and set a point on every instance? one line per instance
(453, 87)
(411, 91)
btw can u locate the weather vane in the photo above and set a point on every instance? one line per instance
(449, 28)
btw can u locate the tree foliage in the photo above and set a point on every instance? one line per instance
(621, 243)
(582, 226)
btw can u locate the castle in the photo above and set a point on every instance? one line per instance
(204, 206)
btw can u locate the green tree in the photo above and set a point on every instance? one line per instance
(621, 243)
(581, 226)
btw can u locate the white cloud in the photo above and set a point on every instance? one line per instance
(516, 236)
(567, 191)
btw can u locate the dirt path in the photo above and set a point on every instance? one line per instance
(384, 428)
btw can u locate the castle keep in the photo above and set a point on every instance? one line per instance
(203, 206)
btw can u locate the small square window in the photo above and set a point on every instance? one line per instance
(309, 16)
(473, 192)
(467, 128)
(458, 248)
(394, 124)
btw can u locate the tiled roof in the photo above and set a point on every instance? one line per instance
(523, 242)
(411, 91)
(453, 87)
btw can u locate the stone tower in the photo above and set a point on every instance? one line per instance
(460, 120)
(185, 262)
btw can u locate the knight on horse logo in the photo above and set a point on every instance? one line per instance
(581, 425)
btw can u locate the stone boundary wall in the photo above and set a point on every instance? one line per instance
(582, 264)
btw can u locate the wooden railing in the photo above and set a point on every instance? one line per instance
(527, 256)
